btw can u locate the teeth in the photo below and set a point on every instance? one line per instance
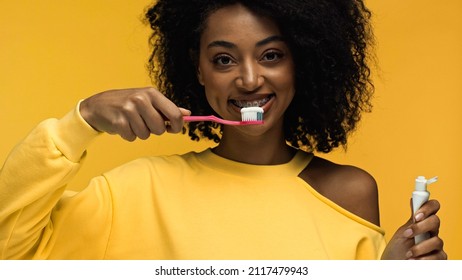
(252, 103)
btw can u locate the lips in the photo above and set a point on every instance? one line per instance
(252, 103)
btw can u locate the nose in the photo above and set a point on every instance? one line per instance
(250, 77)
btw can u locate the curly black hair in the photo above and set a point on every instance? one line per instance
(330, 42)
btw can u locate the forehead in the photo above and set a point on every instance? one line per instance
(236, 21)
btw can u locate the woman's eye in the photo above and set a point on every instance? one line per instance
(223, 60)
(272, 56)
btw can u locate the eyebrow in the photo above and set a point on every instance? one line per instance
(230, 45)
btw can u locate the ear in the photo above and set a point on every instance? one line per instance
(194, 56)
(199, 76)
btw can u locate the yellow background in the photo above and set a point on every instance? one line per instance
(53, 53)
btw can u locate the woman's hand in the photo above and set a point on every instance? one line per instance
(402, 245)
(133, 113)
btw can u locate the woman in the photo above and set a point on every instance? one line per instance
(257, 194)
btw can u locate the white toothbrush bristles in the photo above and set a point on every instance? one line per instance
(250, 114)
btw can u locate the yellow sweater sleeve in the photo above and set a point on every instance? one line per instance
(32, 182)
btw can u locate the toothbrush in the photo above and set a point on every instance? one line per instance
(249, 115)
(420, 195)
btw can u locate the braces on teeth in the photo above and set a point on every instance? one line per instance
(254, 103)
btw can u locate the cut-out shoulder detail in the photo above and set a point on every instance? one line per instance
(350, 187)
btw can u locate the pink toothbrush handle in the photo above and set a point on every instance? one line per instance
(218, 120)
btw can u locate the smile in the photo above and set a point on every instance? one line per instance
(251, 103)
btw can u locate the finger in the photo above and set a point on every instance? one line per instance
(430, 224)
(426, 247)
(429, 208)
(185, 112)
(173, 121)
(437, 255)
(122, 127)
(179, 127)
(130, 110)
(138, 126)
(157, 111)
(169, 110)
(147, 119)
(153, 120)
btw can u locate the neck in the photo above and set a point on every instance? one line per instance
(269, 148)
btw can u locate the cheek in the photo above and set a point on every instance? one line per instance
(208, 78)
(283, 76)
(215, 93)
(213, 88)
(284, 84)
(217, 86)
(283, 81)
(288, 80)
(211, 98)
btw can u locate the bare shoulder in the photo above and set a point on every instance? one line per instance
(348, 186)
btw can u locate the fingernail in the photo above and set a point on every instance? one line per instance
(419, 217)
(408, 233)
(408, 254)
